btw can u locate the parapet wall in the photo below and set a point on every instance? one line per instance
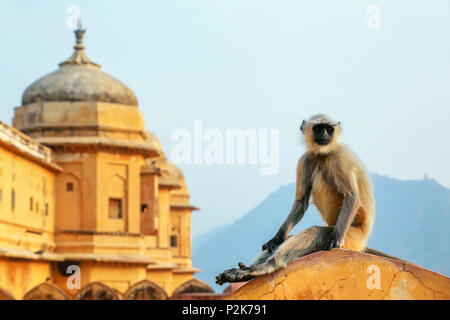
(343, 274)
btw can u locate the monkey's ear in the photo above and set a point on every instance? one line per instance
(302, 126)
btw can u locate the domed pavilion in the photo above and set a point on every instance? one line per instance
(91, 192)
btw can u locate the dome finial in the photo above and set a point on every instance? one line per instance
(79, 57)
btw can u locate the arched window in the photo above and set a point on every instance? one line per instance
(96, 291)
(145, 290)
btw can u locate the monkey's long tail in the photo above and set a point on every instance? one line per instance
(382, 254)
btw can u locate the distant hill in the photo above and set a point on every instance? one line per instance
(412, 222)
(206, 236)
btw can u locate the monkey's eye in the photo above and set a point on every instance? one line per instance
(330, 130)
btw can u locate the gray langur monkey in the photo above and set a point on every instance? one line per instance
(342, 192)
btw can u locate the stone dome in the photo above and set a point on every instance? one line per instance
(79, 83)
(177, 174)
(169, 171)
(152, 140)
(79, 79)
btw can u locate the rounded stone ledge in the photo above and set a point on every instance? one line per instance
(347, 275)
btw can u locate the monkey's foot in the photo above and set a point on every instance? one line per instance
(235, 275)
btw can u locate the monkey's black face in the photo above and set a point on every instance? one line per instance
(323, 133)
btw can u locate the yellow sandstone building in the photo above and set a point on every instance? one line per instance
(86, 190)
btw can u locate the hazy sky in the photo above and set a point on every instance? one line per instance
(256, 64)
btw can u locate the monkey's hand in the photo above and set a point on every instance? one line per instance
(235, 275)
(335, 241)
(273, 244)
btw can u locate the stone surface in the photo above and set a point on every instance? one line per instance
(344, 274)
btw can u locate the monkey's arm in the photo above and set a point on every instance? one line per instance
(301, 203)
(297, 212)
(349, 208)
